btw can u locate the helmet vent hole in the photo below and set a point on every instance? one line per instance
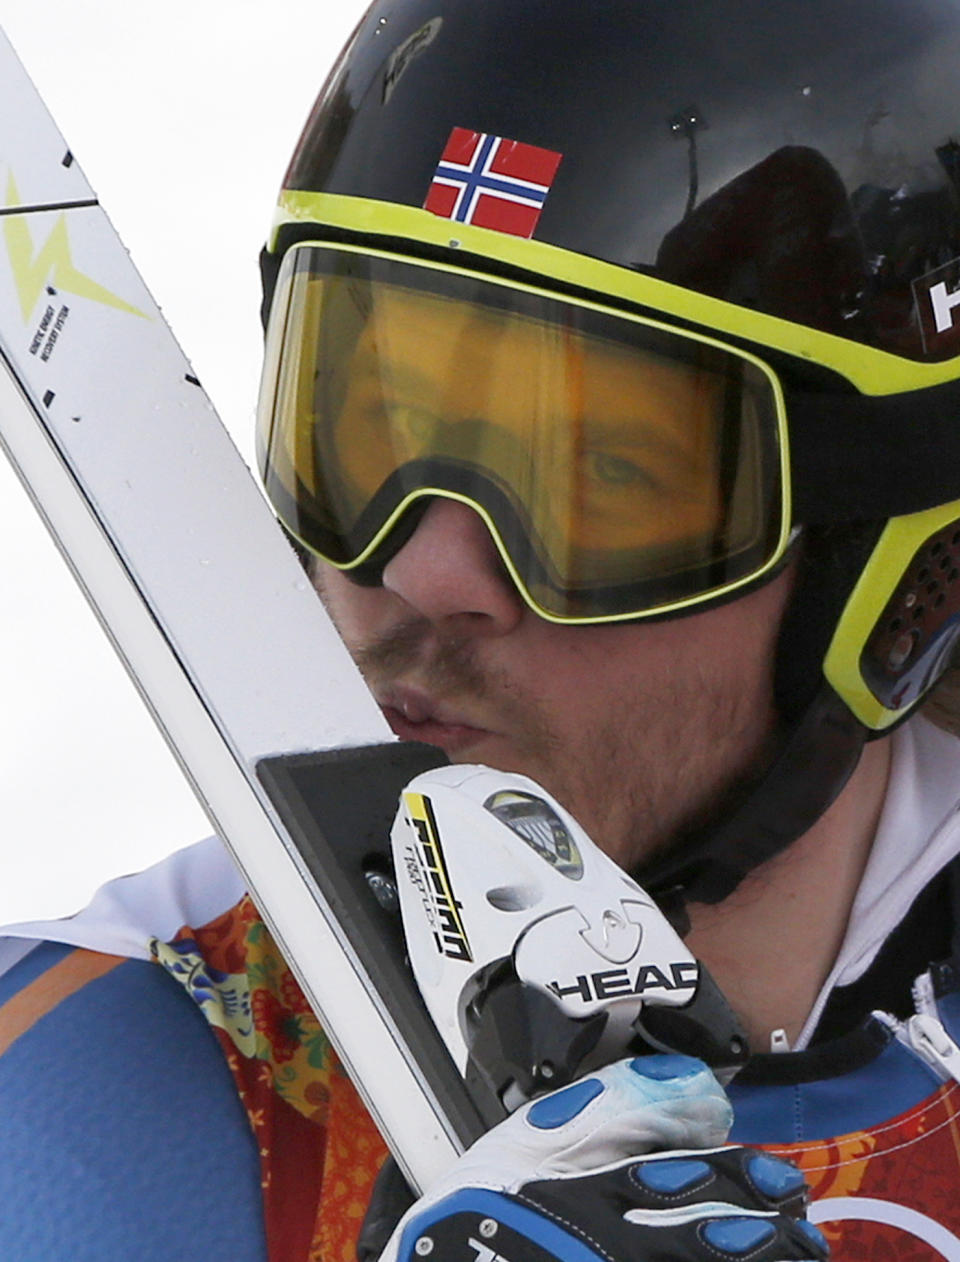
(914, 635)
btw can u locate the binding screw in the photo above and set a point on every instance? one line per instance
(384, 890)
(489, 1227)
(424, 1246)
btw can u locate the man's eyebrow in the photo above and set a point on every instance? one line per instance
(406, 376)
(391, 372)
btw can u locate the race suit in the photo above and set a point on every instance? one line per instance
(165, 1091)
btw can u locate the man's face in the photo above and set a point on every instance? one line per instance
(636, 728)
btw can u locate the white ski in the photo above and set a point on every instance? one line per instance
(191, 578)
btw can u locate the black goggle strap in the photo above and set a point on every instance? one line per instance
(269, 271)
(867, 458)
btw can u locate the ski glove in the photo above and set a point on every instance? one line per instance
(565, 1178)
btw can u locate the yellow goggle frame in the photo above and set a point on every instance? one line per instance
(289, 419)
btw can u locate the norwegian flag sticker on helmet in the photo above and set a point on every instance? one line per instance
(492, 182)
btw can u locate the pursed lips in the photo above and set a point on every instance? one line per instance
(415, 716)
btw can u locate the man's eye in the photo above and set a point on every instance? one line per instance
(612, 470)
(415, 423)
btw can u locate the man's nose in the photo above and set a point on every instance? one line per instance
(450, 572)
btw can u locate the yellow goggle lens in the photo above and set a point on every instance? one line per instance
(622, 466)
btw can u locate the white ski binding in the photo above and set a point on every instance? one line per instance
(537, 957)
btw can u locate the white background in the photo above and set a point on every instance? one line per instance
(182, 115)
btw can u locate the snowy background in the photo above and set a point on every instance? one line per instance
(182, 116)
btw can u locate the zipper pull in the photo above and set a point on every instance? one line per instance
(926, 1036)
(924, 1000)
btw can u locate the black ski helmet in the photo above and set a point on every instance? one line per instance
(785, 178)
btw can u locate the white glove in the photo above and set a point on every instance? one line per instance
(568, 1177)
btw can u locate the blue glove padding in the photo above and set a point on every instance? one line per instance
(582, 1175)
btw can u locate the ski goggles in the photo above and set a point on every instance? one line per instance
(623, 467)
